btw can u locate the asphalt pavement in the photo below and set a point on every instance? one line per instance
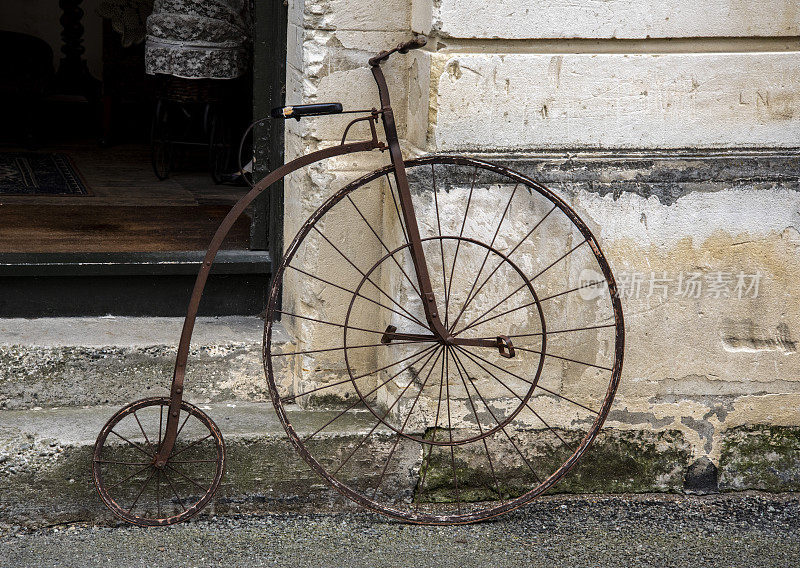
(751, 529)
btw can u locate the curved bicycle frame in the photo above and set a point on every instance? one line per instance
(409, 218)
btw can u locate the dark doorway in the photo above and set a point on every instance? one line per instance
(86, 225)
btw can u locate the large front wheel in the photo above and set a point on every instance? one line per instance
(432, 431)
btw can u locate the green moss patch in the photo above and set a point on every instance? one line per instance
(618, 462)
(766, 458)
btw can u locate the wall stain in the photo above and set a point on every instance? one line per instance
(746, 336)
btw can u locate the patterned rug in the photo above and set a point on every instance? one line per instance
(38, 173)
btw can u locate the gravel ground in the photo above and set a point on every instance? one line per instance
(752, 529)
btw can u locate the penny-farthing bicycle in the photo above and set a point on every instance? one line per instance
(454, 322)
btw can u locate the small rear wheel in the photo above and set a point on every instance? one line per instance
(129, 482)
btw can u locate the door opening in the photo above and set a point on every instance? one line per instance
(117, 161)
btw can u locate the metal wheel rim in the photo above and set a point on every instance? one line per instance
(520, 406)
(587, 439)
(189, 512)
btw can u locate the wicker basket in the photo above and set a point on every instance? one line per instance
(182, 90)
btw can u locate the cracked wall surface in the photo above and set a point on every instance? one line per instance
(672, 130)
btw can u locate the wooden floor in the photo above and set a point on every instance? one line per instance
(128, 209)
(75, 228)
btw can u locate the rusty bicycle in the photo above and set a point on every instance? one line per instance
(453, 322)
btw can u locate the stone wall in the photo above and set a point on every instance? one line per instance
(672, 129)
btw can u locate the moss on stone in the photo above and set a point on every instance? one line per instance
(762, 457)
(630, 462)
(619, 461)
(328, 401)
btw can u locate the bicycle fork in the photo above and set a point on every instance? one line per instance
(502, 343)
(408, 213)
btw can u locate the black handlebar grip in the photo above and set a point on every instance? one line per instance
(416, 43)
(299, 111)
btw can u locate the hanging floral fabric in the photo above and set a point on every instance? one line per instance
(199, 39)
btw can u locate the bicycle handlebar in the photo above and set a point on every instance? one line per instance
(416, 43)
(299, 111)
(405, 47)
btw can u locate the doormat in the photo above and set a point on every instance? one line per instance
(39, 173)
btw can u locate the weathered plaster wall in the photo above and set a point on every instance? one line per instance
(626, 19)
(720, 100)
(702, 366)
(329, 44)
(672, 130)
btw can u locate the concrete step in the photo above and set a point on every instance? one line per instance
(64, 362)
(45, 461)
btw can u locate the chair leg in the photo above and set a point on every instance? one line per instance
(106, 130)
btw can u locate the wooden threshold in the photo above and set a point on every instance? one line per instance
(84, 228)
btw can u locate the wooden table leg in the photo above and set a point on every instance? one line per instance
(73, 75)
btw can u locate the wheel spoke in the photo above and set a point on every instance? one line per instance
(121, 463)
(187, 478)
(441, 248)
(523, 285)
(541, 301)
(146, 483)
(581, 287)
(510, 439)
(393, 343)
(351, 263)
(331, 323)
(494, 317)
(529, 233)
(508, 255)
(446, 371)
(377, 236)
(478, 421)
(563, 442)
(470, 297)
(538, 386)
(405, 422)
(496, 378)
(550, 332)
(137, 446)
(564, 358)
(525, 402)
(382, 418)
(174, 492)
(135, 473)
(426, 461)
(421, 354)
(377, 303)
(185, 420)
(193, 444)
(349, 379)
(460, 234)
(146, 439)
(393, 364)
